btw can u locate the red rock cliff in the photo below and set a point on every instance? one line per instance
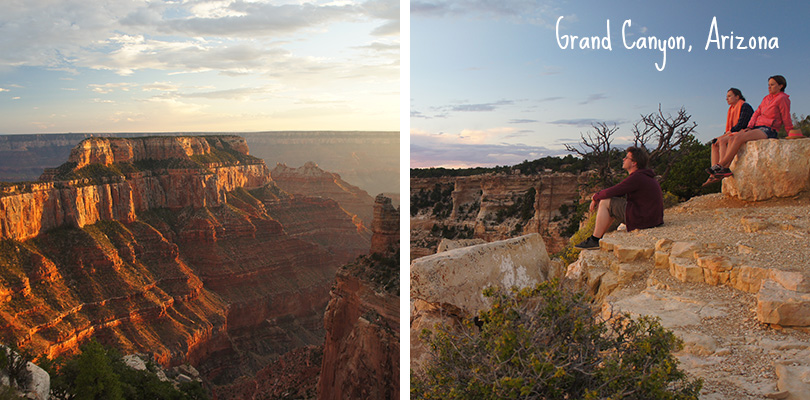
(361, 351)
(27, 210)
(106, 151)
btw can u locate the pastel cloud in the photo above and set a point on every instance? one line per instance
(430, 150)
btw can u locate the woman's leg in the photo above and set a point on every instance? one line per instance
(737, 141)
(722, 146)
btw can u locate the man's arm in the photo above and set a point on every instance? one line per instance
(628, 185)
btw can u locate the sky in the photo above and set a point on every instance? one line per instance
(198, 65)
(500, 82)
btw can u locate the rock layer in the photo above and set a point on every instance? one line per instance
(106, 151)
(29, 209)
(479, 203)
(311, 180)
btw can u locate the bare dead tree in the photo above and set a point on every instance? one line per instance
(595, 146)
(666, 133)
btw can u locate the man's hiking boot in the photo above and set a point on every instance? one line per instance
(590, 243)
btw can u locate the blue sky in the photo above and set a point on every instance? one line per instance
(490, 84)
(198, 65)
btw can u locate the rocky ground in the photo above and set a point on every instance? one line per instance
(726, 342)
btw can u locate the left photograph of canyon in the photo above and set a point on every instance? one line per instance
(199, 200)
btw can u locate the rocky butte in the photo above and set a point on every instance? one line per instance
(727, 273)
(173, 246)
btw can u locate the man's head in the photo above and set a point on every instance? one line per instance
(636, 158)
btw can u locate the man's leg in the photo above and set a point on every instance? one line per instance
(603, 221)
(603, 218)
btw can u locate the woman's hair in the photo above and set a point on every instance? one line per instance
(737, 93)
(780, 80)
(640, 156)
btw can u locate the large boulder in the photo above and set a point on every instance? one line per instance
(458, 277)
(765, 169)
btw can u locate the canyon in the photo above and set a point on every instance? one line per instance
(182, 247)
(493, 207)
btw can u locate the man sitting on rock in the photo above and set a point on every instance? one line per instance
(641, 207)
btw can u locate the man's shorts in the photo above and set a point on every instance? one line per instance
(617, 208)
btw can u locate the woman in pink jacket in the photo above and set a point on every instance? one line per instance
(772, 114)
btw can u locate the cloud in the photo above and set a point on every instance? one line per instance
(435, 150)
(483, 136)
(236, 19)
(236, 37)
(584, 122)
(479, 107)
(229, 94)
(527, 11)
(381, 46)
(110, 87)
(522, 121)
(160, 86)
(4, 90)
(593, 98)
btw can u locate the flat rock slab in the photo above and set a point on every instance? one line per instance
(458, 277)
(764, 169)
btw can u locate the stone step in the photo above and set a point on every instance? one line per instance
(785, 303)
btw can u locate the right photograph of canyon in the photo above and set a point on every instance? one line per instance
(200, 200)
(609, 200)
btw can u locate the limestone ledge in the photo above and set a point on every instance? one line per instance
(24, 215)
(783, 297)
(106, 151)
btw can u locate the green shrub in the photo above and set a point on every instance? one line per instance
(99, 372)
(546, 343)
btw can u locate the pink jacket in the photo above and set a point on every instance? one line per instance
(774, 111)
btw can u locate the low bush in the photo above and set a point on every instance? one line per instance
(546, 343)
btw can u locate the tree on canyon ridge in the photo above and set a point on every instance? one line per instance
(595, 149)
(662, 136)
